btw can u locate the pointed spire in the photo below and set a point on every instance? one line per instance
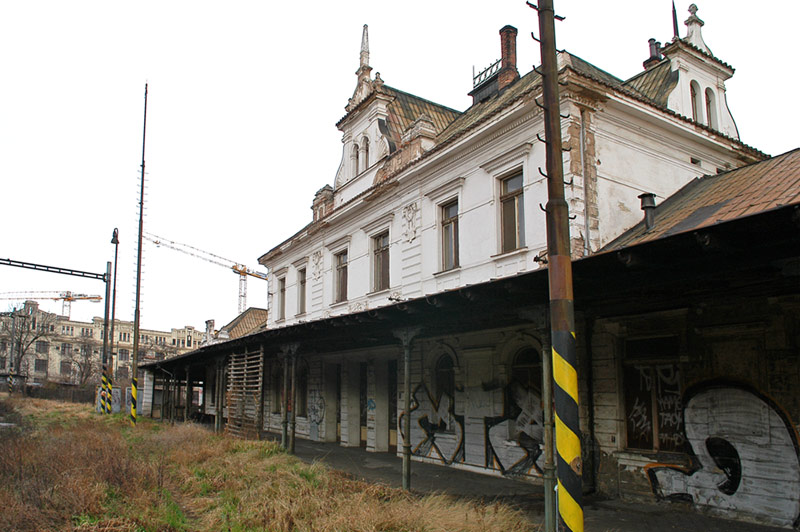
(365, 47)
(674, 22)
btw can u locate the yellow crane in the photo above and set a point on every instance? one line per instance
(237, 267)
(65, 297)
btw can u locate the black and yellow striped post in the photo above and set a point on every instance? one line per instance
(103, 391)
(562, 319)
(109, 392)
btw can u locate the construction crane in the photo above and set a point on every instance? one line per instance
(238, 268)
(66, 298)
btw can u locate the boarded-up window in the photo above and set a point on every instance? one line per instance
(653, 390)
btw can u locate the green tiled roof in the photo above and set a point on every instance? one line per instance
(407, 108)
(655, 83)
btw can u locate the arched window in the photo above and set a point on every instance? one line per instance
(697, 111)
(444, 377)
(355, 159)
(711, 108)
(527, 369)
(365, 148)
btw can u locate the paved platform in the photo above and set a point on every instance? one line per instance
(600, 515)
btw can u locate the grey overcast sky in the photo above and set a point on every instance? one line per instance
(244, 97)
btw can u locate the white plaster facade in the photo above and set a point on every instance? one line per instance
(621, 144)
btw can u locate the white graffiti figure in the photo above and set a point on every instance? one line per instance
(747, 455)
(436, 431)
(517, 443)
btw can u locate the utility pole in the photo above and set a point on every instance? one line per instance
(562, 318)
(135, 363)
(115, 241)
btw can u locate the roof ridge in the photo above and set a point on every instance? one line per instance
(423, 99)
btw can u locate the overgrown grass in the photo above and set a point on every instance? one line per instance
(71, 469)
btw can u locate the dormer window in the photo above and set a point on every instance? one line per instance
(711, 108)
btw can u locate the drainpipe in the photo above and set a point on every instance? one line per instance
(589, 369)
(406, 336)
(587, 247)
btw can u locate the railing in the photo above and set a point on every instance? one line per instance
(485, 74)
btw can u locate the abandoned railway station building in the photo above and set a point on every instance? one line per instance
(430, 243)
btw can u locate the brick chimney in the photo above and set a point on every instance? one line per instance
(508, 46)
(655, 55)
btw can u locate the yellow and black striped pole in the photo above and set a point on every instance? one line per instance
(562, 319)
(103, 391)
(109, 393)
(133, 400)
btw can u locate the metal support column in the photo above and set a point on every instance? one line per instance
(549, 459)
(294, 403)
(406, 336)
(188, 396)
(285, 404)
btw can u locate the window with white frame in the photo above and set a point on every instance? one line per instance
(301, 291)
(281, 298)
(512, 213)
(449, 212)
(340, 276)
(380, 261)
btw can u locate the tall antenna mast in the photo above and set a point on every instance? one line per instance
(135, 369)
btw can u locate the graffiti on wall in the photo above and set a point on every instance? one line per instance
(436, 431)
(315, 407)
(514, 440)
(745, 457)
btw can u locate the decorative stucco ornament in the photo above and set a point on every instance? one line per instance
(410, 221)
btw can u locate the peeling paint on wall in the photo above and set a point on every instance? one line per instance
(745, 454)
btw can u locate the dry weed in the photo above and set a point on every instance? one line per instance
(93, 473)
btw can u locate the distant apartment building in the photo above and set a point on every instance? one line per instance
(42, 346)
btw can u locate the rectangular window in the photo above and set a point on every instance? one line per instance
(450, 235)
(2, 362)
(40, 365)
(380, 261)
(340, 260)
(301, 291)
(122, 373)
(282, 298)
(3, 346)
(124, 355)
(652, 384)
(512, 213)
(66, 367)
(66, 350)
(42, 346)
